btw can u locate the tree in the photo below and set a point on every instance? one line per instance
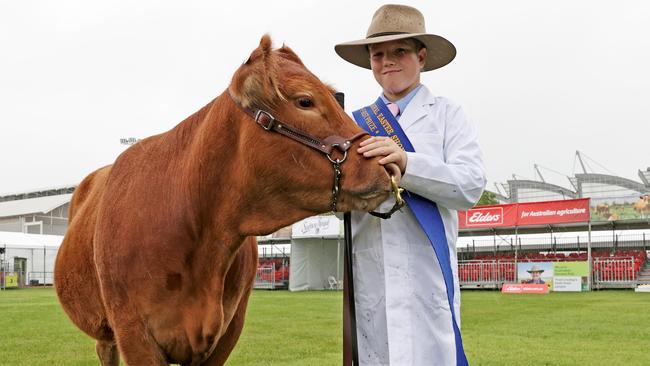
(487, 198)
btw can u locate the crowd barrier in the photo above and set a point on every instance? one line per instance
(486, 273)
(609, 270)
(272, 274)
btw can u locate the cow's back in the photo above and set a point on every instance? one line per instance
(75, 277)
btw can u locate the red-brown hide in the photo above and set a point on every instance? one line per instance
(160, 257)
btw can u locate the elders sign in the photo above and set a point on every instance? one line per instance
(522, 214)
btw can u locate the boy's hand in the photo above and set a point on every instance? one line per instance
(384, 146)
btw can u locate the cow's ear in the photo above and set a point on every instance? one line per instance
(288, 53)
(255, 84)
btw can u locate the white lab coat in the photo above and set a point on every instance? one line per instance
(403, 316)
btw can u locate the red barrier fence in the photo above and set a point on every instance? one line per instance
(486, 272)
(609, 270)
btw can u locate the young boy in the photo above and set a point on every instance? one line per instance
(401, 265)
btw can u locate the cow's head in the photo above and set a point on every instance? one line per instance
(298, 178)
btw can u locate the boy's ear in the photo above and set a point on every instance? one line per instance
(422, 57)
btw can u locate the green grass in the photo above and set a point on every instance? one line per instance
(283, 328)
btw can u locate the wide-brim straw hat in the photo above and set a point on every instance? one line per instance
(393, 22)
(535, 268)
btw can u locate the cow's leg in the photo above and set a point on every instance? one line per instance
(107, 353)
(136, 345)
(227, 342)
(238, 285)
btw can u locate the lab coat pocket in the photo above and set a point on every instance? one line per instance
(428, 285)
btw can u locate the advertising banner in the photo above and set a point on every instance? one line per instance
(538, 273)
(11, 279)
(569, 276)
(621, 208)
(488, 216)
(553, 212)
(521, 214)
(324, 226)
(520, 288)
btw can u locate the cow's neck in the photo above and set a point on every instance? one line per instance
(232, 198)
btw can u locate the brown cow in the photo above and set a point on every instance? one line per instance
(602, 209)
(642, 206)
(159, 258)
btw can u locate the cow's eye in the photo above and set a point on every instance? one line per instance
(305, 102)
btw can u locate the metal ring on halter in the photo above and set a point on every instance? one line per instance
(337, 161)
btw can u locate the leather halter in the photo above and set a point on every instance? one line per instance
(325, 146)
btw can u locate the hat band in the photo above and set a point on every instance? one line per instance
(385, 34)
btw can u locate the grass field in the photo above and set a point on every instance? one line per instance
(283, 328)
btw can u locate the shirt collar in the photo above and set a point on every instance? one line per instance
(402, 103)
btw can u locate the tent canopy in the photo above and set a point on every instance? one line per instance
(29, 241)
(316, 253)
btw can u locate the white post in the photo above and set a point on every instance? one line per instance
(516, 253)
(44, 252)
(3, 264)
(338, 258)
(590, 277)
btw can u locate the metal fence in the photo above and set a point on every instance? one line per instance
(607, 272)
(469, 247)
(40, 278)
(486, 273)
(614, 273)
(269, 278)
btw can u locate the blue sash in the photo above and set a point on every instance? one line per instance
(377, 120)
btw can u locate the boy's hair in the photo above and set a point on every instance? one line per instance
(417, 44)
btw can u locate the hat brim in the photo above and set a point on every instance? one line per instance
(540, 271)
(440, 51)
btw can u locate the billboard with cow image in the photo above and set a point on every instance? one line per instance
(621, 208)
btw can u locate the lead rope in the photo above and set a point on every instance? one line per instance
(337, 182)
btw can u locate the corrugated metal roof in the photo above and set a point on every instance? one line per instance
(36, 190)
(29, 241)
(33, 205)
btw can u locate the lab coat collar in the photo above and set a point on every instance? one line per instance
(417, 108)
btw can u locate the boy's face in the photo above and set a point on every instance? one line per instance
(396, 66)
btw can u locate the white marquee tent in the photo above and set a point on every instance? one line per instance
(316, 254)
(31, 254)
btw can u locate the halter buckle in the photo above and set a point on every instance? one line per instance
(264, 114)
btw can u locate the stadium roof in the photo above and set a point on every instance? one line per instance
(40, 192)
(33, 205)
(611, 180)
(645, 176)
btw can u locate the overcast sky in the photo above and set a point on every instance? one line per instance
(540, 79)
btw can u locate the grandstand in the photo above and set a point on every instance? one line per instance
(619, 213)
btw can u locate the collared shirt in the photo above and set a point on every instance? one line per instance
(402, 103)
